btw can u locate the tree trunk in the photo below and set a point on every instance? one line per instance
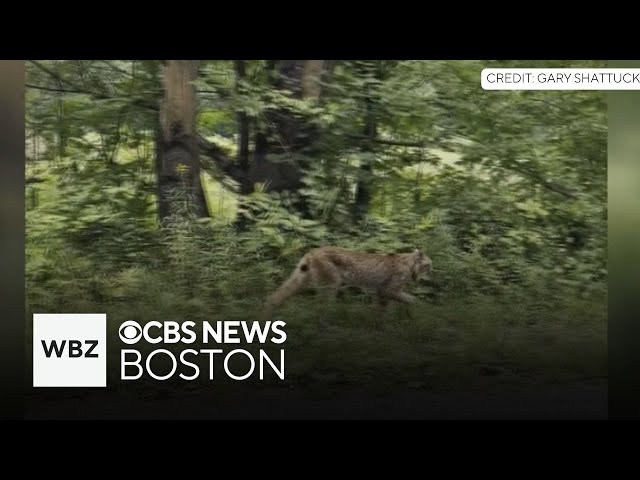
(328, 68)
(288, 135)
(177, 153)
(365, 176)
(243, 121)
(311, 78)
(285, 142)
(61, 130)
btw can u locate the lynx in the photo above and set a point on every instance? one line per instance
(333, 268)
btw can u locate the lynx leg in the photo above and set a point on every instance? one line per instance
(402, 297)
(383, 301)
(327, 279)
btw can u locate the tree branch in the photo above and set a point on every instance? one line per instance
(73, 88)
(116, 68)
(554, 187)
(394, 143)
(226, 164)
(46, 70)
(551, 186)
(51, 89)
(100, 96)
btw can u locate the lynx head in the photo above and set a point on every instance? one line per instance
(421, 264)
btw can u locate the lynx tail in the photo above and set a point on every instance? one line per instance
(298, 279)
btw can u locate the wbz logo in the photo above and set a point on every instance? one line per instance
(75, 348)
(69, 350)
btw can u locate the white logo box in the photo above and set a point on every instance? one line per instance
(76, 344)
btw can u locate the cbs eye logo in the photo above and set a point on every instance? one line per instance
(130, 332)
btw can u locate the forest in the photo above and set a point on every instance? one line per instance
(188, 190)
